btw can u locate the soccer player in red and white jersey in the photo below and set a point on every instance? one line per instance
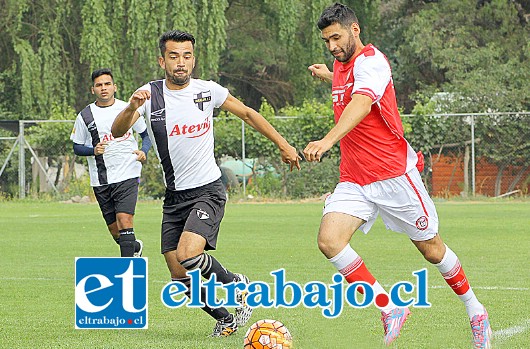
(378, 172)
(179, 115)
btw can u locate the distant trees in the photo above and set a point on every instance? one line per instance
(476, 51)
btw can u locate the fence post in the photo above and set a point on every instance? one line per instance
(21, 161)
(473, 155)
(243, 156)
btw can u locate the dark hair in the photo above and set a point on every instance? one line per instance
(103, 71)
(174, 35)
(337, 13)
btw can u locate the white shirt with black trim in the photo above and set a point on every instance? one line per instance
(188, 131)
(120, 161)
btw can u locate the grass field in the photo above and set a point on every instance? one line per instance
(39, 242)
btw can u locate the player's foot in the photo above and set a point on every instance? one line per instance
(243, 312)
(225, 327)
(392, 322)
(480, 327)
(139, 247)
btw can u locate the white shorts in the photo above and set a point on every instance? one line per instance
(403, 203)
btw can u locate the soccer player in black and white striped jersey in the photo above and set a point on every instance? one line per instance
(179, 112)
(114, 163)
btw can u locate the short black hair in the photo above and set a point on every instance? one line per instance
(174, 35)
(337, 13)
(103, 71)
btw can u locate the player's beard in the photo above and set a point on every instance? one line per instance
(348, 50)
(178, 80)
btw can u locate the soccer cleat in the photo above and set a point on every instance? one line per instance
(225, 327)
(480, 327)
(139, 252)
(243, 312)
(392, 322)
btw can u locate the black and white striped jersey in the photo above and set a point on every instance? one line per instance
(180, 124)
(118, 162)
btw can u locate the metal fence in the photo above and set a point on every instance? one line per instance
(468, 154)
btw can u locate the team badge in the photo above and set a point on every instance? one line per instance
(422, 223)
(202, 214)
(201, 99)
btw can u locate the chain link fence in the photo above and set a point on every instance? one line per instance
(468, 155)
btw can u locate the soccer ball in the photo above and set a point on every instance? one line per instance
(268, 334)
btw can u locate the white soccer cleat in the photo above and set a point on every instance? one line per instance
(243, 312)
(225, 327)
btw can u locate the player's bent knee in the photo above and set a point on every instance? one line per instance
(327, 245)
(433, 255)
(185, 254)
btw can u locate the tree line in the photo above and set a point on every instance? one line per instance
(261, 48)
(446, 56)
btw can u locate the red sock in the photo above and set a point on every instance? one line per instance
(456, 279)
(352, 267)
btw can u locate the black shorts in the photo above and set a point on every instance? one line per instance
(117, 197)
(198, 210)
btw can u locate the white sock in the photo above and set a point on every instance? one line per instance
(346, 258)
(449, 262)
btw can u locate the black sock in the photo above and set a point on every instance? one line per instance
(208, 266)
(117, 240)
(216, 313)
(127, 242)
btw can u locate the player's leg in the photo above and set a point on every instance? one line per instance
(417, 218)
(204, 220)
(225, 324)
(114, 231)
(125, 196)
(345, 211)
(447, 262)
(177, 210)
(106, 205)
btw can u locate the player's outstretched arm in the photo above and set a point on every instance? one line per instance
(353, 114)
(128, 116)
(257, 121)
(321, 71)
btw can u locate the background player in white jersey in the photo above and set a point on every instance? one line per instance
(114, 164)
(378, 172)
(179, 115)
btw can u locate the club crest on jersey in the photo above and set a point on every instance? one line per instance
(422, 223)
(201, 99)
(202, 214)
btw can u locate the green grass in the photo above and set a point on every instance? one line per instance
(39, 242)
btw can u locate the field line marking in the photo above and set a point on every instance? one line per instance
(506, 333)
(502, 288)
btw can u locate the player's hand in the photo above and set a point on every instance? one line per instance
(140, 155)
(315, 150)
(100, 148)
(290, 156)
(138, 98)
(321, 71)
